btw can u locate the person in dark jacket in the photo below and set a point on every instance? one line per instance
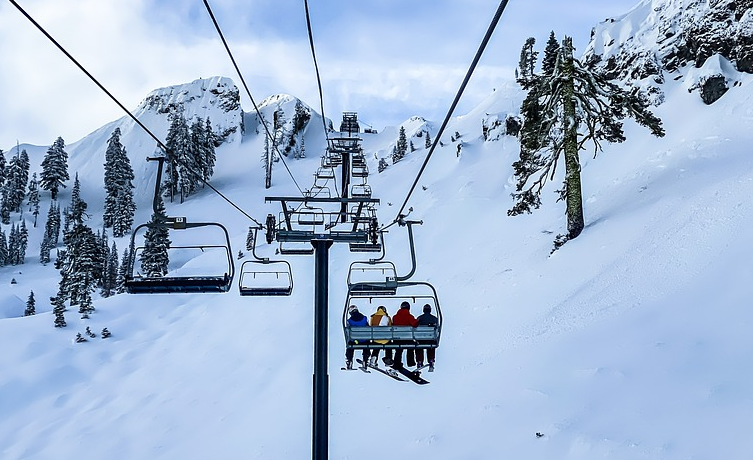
(427, 319)
(356, 319)
(403, 317)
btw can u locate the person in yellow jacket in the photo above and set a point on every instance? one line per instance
(381, 318)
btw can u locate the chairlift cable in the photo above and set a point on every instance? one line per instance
(128, 112)
(479, 53)
(316, 67)
(248, 92)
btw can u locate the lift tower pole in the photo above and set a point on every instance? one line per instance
(321, 243)
(320, 434)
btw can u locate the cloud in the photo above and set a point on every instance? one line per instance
(389, 58)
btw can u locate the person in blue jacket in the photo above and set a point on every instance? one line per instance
(356, 319)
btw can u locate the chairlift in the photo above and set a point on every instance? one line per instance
(320, 191)
(214, 273)
(416, 293)
(377, 277)
(264, 277)
(375, 238)
(325, 173)
(359, 159)
(360, 171)
(360, 191)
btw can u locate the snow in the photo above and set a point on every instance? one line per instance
(630, 342)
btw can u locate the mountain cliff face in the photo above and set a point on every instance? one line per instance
(663, 38)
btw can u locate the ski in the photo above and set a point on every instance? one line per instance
(386, 372)
(413, 376)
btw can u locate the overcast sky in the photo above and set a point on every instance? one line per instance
(385, 59)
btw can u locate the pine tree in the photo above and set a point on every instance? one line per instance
(382, 165)
(119, 204)
(52, 227)
(5, 206)
(30, 309)
(154, 258)
(44, 249)
(17, 177)
(402, 146)
(178, 145)
(427, 143)
(54, 168)
(4, 257)
(549, 61)
(207, 148)
(77, 210)
(34, 197)
(2, 169)
(13, 246)
(123, 272)
(58, 309)
(81, 264)
(110, 276)
(557, 105)
(22, 242)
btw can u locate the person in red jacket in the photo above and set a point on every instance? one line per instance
(403, 317)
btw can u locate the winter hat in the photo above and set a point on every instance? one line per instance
(405, 305)
(382, 309)
(353, 309)
(427, 308)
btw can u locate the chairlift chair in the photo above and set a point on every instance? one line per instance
(264, 277)
(182, 274)
(360, 171)
(182, 279)
(417, 294)
(360, 191)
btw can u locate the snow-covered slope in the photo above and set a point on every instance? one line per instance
(630, 342)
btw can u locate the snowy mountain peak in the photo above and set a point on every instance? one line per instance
(665, 36)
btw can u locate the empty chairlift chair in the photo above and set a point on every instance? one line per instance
(264, 277)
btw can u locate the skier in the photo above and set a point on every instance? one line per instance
(381, 318)
(356, 319)
(426, 319)
(403, 317)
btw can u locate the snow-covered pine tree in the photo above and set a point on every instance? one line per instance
(301, 118)
(123, 271)
(81, 267)
(110, 275)
(382, 165)
(207, 148)
(52, 227)
(44, 249)
(3, 249)
(280, 132)
(13, 253)
(30, 305)
(34, 197)
(178, 144)
(22, 242)
(402, 145)
(17, 177)
(2, 169)
(54, 168)
(154, 258)
(119, 204)
(4, 206)
(58, 309)
(77, 210)
(557, 105)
